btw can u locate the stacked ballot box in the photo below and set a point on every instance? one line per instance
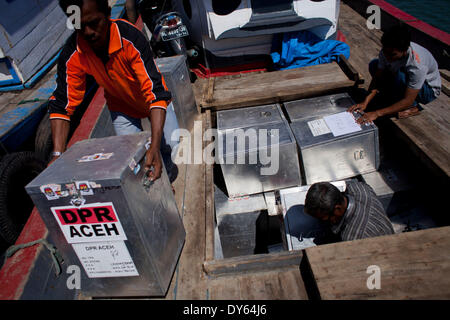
(332, 145)
(105, 216)
(256, 150)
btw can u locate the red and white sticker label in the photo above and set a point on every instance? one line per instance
(89, 223)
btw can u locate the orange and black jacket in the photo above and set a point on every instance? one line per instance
(131, 80)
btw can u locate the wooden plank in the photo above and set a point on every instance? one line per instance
(413, 265)
(253, 263)
(209, 206)
(43, 90)
(210, 91)
(188, 281)
(445, 87)
(179, 185)
(19, 18)
(292, 284)
(349, 70)
(259, 286)
(225, 289)
(429, 135)
(445, 74)
(285, 284)
(277, 86)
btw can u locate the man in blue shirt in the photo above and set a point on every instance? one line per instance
(404, 74)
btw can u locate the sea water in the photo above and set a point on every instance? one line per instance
(433, 12)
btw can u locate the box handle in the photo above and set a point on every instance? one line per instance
(358, 155)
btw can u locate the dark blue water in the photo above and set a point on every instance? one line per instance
(433, 12)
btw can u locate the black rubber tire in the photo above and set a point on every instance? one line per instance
(43, 144)
(16, 171)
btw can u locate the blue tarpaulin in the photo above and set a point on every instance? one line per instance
(303, 48)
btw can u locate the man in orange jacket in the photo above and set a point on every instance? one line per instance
(120, 59)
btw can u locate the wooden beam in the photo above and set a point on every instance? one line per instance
(208, 92)
(412, 265)
(445, 87)
(209, 189)
(273, 87)
(428, 135)
(445, 74)
(350, 70)
(252, 263)
(283, 284)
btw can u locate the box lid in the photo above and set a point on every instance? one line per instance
(101, 160)
(314, 107)
(248, 117)
(225, 205)
(306, 137)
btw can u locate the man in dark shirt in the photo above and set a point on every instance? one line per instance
(354, 214)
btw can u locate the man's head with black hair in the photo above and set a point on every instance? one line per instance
(325, 202)
(396, 42)
(94, 22)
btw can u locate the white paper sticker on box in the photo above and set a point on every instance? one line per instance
(106, 259)
(342, 123)
(95, 222)
(318, 127)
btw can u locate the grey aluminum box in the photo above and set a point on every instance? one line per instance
(148, 216)
(242, 145)
(326, 157)
(300, 229)
(176, 75)
(236, 222)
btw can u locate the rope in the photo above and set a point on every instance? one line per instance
(56, 257)
(32, 100)
(3, 147)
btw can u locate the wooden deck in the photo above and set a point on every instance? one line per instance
(275, 276)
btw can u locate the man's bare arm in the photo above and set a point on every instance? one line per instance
(132, 14)
(373, 90)
(153, 158)
(405, 103)
(60, 132)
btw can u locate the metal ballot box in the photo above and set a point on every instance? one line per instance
(104, 216)
(176, 75)
(256, 150)
(236, 222)
(332, 146)
(301, 229)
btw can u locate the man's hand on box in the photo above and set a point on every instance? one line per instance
(153, 164)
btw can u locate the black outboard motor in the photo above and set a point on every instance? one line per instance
(169, 32)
